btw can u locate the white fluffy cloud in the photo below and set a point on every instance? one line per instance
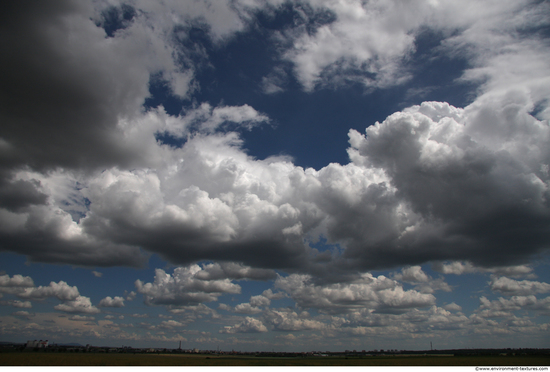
(248, 325)
(376, 293)
(60, 290)
(503, 307)
(247, 308)
(260, 300)
(184, 288)
(15, 284)
(23, 287)
(112, 302)
(80, 304)
(234, 271)
(512, 287)
(424, 283)
(459, 268)
(288, 320)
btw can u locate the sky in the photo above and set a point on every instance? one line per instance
(263, 175)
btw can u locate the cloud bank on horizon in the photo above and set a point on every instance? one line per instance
(94, 174)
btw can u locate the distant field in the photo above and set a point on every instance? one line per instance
(92, 359)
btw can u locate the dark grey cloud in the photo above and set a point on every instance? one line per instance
(59, 102)
(17, 195)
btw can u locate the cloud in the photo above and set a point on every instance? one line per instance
(80, 304)
(233, 271)
(503, 307)
(390, 206)
(248, 325)
(423, 282)
(372, 43)
(260, 300)
(17, 303)
(17, 195)
(15, 284)
(365, 43)
(73, 302)
(76, 110)
(183, 287)
(61, 291)
(452, 307)
(377, 293)
(512, 287)
(459, 268)
(22, 313)
(247, 308)
(413, 274)
(268, 293)
(130, 296)
(460, 185)
(112, 302)
(82, 318)
(170, 324)
(60, 239)
(288, 320)
(97, 274)
(24, 304)
(212, 118)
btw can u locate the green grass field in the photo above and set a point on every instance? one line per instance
(92, 359)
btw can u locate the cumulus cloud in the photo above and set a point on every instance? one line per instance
(248, 325)
(170, 324)
(17, 303)
(112, 302)
(15, 284)
(418, 188)
(61, 290)
(247, 308)
(377, 293)
(80, 304)
(503, 307)
(234, 271)
(512, 287)
(455, 180)
(72, 301)
(288, 320)
(260, 300)
(452, 307)
(22, 313)
(183, 287)
(413, 274)
(130, 296)
(459, 268)
(424, 283)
